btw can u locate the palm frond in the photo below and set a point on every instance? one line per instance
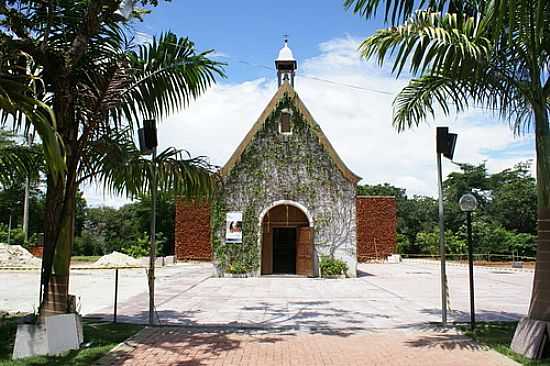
(164, 77)
(15, 102)
(16, 161)
(431, 41)
(120, 168)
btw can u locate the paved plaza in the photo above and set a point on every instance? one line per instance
(383, 296)
(386, 315)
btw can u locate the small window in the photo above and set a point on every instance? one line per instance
(284, 124)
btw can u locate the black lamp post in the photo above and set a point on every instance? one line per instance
(148, 145)
(468, 204)
(445, 145)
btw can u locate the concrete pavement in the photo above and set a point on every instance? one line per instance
(383, 296)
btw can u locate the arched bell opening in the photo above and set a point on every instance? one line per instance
(287, 241)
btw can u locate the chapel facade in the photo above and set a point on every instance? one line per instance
(286, 199)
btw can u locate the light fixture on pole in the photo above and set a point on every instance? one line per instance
(148, 145)
(445, 145)
(468, 204)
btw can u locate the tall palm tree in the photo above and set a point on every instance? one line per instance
(100, 86)
(490, 53)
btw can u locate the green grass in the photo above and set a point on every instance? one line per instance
(498, 336)
(84, 259)
(102, 337)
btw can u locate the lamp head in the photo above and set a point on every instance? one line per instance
(468, 202)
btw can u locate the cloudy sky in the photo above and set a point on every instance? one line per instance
(350, 98)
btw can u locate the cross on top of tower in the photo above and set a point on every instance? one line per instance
(286, 64)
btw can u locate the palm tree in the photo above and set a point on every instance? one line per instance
(100, 85)
(494, 54)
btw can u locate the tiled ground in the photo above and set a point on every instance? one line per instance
(180, 346)
(384, 296)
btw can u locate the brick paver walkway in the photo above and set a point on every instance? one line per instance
(181, 346)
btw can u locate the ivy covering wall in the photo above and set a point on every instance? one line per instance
(295, 167)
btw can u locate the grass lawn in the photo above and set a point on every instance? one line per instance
(498, 336)
(102, 337)
(84, 259)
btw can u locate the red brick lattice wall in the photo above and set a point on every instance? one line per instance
(192, 226)
(376, 227)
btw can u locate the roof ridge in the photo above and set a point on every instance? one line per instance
(301, 107)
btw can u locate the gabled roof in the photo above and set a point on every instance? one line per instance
(287, 89)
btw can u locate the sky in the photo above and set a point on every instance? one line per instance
(324, 37)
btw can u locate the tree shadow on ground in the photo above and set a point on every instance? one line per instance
(315, 317)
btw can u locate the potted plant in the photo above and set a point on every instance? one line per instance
(331, 267)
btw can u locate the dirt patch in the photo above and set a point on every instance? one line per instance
(116, 259)
(17, 256)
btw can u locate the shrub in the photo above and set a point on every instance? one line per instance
(330, 266)
(17, 237)
(237, 267)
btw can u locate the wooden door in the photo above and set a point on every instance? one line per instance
(304, 252)
(267, 251)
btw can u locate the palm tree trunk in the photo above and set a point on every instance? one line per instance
(531, 336)
(540, 299)
(60, 214)
(60, 237)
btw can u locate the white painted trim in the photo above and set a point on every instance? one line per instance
(289, 203)
(261, 219)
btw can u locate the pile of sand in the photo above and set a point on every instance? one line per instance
(116, 259)
(17, 256)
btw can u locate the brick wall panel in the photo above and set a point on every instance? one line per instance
(192, 226)
(376, 227)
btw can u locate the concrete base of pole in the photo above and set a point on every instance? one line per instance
(531, 338)
(54, 335)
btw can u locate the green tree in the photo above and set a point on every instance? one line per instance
(100, 85)
(514, 199)
(489, 53)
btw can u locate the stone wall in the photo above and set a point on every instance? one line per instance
(296, 167)
(376, 227)
(192, 226)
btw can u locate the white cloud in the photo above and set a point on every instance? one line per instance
(357, 122)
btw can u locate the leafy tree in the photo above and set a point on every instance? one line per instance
(100, 85)
(385, 189)
(514, 199)
(490, 53)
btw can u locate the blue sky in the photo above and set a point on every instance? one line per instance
(252, 31)
(324, 38)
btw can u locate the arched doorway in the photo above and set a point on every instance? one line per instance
(287, 242)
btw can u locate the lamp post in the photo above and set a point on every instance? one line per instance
(148, 145)
(445, 145)
(468, 204)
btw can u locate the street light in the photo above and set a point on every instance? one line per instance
(148, 145)
(468, 204)
(445, 146)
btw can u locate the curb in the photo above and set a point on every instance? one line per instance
(454, 264)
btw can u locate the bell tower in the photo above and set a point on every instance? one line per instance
(286, 65)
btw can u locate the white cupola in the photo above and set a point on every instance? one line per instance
(286, 65)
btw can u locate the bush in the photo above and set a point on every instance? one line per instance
(330, 266)
(491, 238)
(403, 244)
(140, 247)
(17, 237)
(237, 268)
(429, 242)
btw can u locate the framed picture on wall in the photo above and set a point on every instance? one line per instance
(234, 227)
